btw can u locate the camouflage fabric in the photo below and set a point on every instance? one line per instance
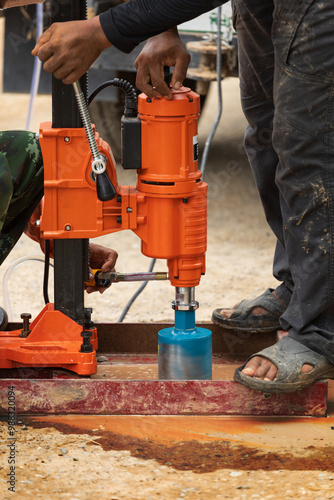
(21, 185)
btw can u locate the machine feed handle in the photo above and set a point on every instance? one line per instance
(104, 187)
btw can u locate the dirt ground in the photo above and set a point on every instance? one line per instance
(65, 463)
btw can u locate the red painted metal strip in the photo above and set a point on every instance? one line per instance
(157, 397)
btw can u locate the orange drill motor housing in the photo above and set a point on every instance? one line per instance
(167, 208)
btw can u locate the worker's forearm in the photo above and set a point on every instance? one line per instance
(130, 23)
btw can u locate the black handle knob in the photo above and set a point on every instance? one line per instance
(104, 187)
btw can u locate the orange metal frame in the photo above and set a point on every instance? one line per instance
(167, 210)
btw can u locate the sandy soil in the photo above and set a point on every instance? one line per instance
(54, 464)
(86, 465)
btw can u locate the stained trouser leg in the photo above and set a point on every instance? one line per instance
(253, 22)
(303, 35)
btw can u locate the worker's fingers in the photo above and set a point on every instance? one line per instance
(158, 82)
(180, 70)
(43, 39)
(52, 65)
(67, 74)
(102, 258)
(92, 289)
(73, 76)
(45, 51)
(66, 70)
(144, 83)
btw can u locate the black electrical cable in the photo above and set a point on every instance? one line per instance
(46, 272)
(130, 109)
(135, 295)
(131, 99)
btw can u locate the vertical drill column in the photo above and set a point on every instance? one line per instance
(71, 255)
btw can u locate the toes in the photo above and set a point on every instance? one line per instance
(261, 368)
(259, 311)
(307, 368)
(252, 366)
(226, 313)
(271, 373)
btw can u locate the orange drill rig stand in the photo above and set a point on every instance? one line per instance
(166, 209)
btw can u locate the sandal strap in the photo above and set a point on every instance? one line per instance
(266, 300)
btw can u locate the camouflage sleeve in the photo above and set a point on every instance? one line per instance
(21, 185)
(6, 188)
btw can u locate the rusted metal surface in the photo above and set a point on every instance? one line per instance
(154, 397)
(207, 444)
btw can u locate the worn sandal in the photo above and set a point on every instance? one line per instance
(289, 356)
(243, 320)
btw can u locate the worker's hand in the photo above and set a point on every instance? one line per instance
(69, 49)
(165, 49)
(100, 258)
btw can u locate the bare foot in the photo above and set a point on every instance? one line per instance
(263, 369)
(257, 311)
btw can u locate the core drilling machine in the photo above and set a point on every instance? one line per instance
(82, 200)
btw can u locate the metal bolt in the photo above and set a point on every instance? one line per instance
(88, 324)
(67, 139)
(86, 346)
(68, 227)
(129, 210)
(26, 330)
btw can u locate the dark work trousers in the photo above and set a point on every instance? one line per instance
(286, 74)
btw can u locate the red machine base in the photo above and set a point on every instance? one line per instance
(54, 341)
